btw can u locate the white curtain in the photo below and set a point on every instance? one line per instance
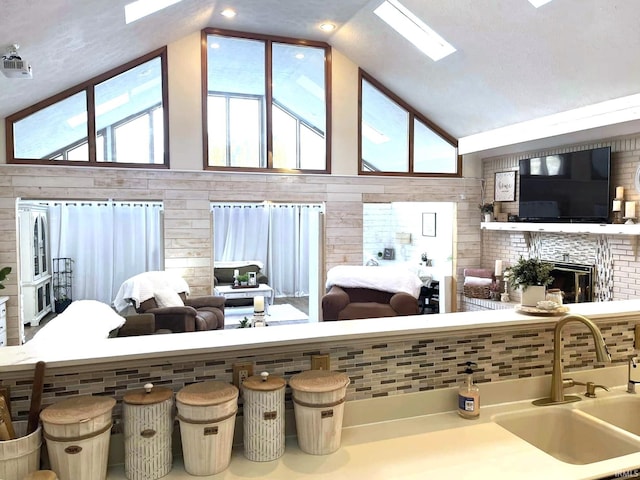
(108, 243)
(240, 232)
(276, 234)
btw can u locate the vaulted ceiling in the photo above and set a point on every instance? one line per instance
(513, 62)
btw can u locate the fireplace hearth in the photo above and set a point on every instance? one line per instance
(575, 280)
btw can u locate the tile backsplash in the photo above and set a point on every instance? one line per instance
(376, 368)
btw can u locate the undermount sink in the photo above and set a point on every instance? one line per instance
(623, 412)
(568, 435)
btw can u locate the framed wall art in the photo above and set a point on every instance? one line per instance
(389, 254)
(429, 224)
(504, 187)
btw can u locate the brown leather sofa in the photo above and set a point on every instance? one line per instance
(135, 325)
(197, 314)
(342, 303)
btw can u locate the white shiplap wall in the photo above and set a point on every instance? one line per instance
(186, 197)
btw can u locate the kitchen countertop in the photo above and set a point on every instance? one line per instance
(437, 445)
(107, 351)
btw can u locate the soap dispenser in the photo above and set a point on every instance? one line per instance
(469, 395)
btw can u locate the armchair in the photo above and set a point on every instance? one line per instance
(370, 292)
(342, 303)
(196, 314)
(165, 295)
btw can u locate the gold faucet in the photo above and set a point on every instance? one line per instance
(558, 385)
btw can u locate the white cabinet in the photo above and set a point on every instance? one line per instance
(3, 321)
(35, 264)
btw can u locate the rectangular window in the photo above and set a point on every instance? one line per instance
(235, 99)
(265, 102)
(298, 90)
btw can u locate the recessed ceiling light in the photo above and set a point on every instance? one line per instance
(215, 45)
(141, 8)
(538, 3)
(228, 12)
(327, 27)
(403, 21)
(299, 56)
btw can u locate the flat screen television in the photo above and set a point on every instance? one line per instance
(567, 187)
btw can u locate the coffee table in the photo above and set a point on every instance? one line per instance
(228, 292)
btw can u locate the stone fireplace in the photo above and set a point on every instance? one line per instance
(575, 280)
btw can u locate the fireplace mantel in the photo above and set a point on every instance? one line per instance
(589, 228)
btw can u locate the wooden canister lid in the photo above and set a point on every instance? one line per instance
(211, 392)
(264, 382)
(77, 409)
(41, 475)
(148, 395)
(318, 381)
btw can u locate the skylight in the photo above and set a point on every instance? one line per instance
(610, 112)
(141, 8)
(403, 21)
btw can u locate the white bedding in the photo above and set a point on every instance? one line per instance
(388, 279)
(81, 321)
(142, 287)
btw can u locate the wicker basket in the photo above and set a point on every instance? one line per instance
(263, 422)
(148, 424)
(207, 416)
(77, 433)
(318, 403)
(476, 291)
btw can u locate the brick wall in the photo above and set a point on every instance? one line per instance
(618, 265)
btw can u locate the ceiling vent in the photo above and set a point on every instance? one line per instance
(13, 66)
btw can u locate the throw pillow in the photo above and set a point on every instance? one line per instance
(167, 297)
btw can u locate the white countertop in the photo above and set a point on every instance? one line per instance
(77, 352)
(438, 446)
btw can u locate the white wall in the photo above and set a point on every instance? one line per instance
(185, 104)
(185, 109)
(381, 222)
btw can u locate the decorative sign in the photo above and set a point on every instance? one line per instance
(505, 187)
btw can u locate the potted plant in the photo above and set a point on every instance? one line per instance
(3, 275)
(487, 210)
(243, 279)
(532, 276)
